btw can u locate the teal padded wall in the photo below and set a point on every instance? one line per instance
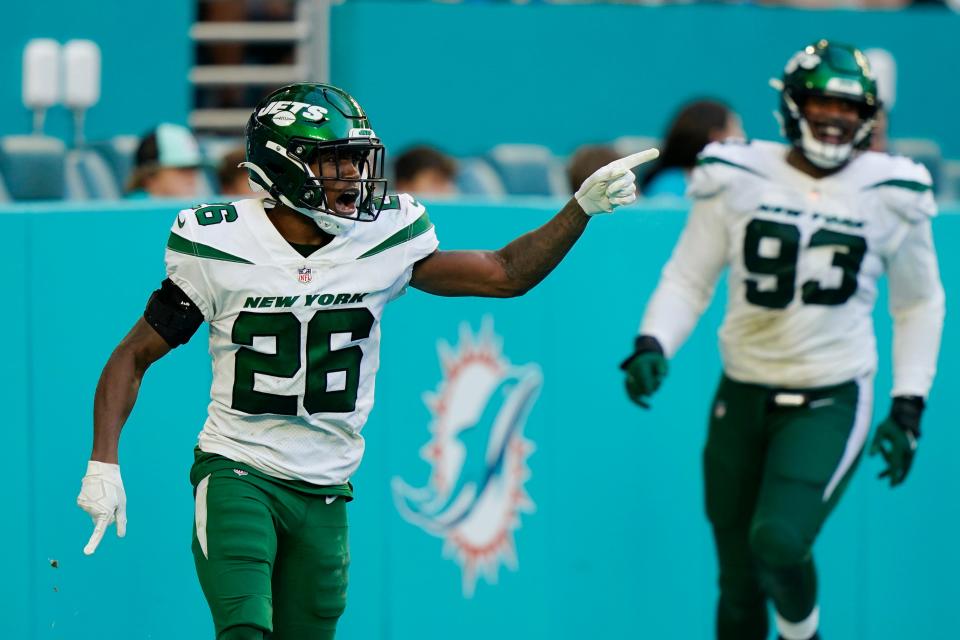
(615, 544)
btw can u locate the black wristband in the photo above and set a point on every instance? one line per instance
(646, 344)
(906, 412)
(642, 344)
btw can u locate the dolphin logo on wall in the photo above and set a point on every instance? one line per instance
(478, 456)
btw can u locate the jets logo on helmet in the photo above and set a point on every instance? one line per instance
(829, 70)
(297, 127)
(802, 60)
(311, 112)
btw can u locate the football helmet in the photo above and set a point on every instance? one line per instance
(831, 70)
(295, 126)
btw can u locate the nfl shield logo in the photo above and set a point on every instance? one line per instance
(305, 274)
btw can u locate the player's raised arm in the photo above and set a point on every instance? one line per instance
(522, 264)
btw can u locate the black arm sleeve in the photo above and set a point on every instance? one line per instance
(172, 314)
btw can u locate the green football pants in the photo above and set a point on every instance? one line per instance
(269, 557)
(775, 464)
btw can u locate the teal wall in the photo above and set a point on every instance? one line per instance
(145, 55)
(617, 545)
(468, 76)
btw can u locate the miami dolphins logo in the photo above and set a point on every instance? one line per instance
(478, 455)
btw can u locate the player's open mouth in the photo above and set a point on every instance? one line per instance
(346, 202)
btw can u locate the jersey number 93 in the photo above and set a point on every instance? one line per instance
(783, 266)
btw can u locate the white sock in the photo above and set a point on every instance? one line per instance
(802, 630)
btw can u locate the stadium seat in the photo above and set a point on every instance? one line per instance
(33, 167)
(528, 170)
(4, 194)
(475, 177)
(926, 152)
(625, 145)
(118, 153)
(89, 177)
(950, 181)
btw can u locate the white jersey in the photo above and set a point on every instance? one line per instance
(804, 257)
(295, 341)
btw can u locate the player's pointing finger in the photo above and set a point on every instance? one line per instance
(98, 530)
(638, 158)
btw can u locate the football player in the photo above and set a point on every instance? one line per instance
(806, 230)
(293, 285)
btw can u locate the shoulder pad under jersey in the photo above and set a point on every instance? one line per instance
(904, 186)
(722, 164)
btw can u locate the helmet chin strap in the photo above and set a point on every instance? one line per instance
(328, 223)
(823, 154)
(334, 225)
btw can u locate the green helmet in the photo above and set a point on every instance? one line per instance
(832, 70)
(288, 131)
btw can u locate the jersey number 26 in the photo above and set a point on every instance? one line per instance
(332, 374)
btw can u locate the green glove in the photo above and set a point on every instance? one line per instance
(645, 369)
(896, 437)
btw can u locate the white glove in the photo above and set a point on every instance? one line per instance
(103, 497)
(613, 185)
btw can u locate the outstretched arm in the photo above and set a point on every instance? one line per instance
(522, 264)
(511, 271)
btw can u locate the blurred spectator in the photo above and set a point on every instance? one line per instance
(234, 179)
(166, 164)
(586, 160)
(879, 140)
(697, 124)
(839, 4)
(425, 171)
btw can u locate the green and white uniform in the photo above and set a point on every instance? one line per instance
(295, 341)
(295, 345)
(804, 257)
(792, 412)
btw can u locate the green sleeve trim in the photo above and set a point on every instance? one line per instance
(912, 185)
(182, 245)
(411, 231)
(715, 160)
